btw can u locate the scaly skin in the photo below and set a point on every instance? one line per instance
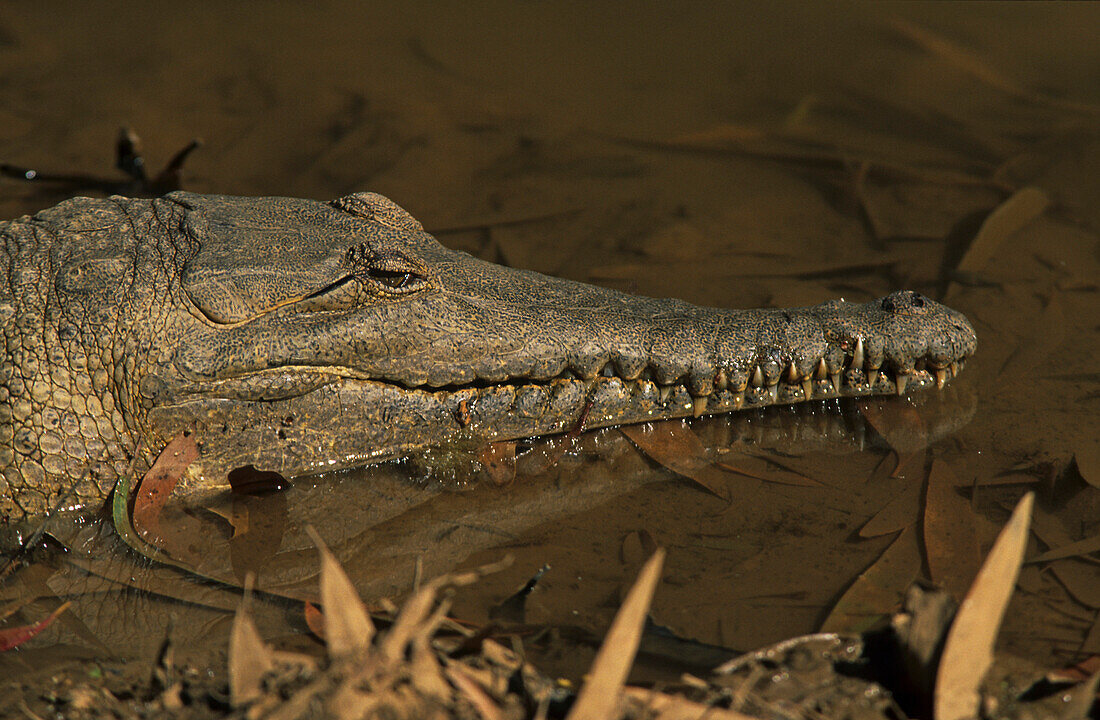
(300, 336)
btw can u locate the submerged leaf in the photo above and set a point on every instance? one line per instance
(878, 590)
(348, 627)
(16, 636)
(968, 650)
(676, 446)
(950, 540)
(599, 697)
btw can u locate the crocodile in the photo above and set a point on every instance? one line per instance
(299, 337)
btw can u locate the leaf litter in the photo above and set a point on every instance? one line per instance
(419, 666)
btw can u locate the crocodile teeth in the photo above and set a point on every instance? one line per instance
(872, 376)
(941, 377)
(954, 369)
(698, 406)
(901, 381)
(758, 377)
(821, 371)
(721, 382)
(808, 388)
(857, 355)
(664, 393)
(773, 392)
(793, 375)
(834, 378)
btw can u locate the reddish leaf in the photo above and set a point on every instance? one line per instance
(16, 636)
(315, 619)
(159, 482)
(498, 460)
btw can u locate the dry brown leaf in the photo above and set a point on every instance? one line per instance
(1073, 549)
(660, 706)
(1092, 640)
(249, 657)
(1088, 464)
(677, 447)
(899, 513)
(951, 543)
(1014, 213)
(599, 697)
(966, 60)
(968, 650)
(348, 627)
(481, 701)
(878, 590)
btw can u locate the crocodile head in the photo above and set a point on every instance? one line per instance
(300, 336)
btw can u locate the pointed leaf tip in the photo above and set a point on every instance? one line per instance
(600, 695)
(348, 627)
(968, 651)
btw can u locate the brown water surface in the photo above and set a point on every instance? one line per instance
(744, 155)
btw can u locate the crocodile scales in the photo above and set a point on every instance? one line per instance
(299, 336)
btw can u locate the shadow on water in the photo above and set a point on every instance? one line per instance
(729, 157)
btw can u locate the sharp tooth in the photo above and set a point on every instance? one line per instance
(834, 378)
(721, 382)
(808, 388)
(857, 355)
(872, 376)
(901, 381)
(954, 369)
(821, 372)
(793, 375)
(664, 393)
(698, 406)
(941, 377)
(758, 377)
(773, 392)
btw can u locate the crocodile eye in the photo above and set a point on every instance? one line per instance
(393, 279)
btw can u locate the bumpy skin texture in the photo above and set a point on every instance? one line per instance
(300, 336)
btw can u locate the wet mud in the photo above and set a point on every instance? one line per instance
(738, 157)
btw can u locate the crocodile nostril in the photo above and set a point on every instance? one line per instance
(888, 304)
(917, 300)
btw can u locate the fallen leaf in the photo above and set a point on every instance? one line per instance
(899, 513)
(675, 445)
(1084, 695)
(348, 627)
(249, 657)
(1088, 464)
(878, 590)
(1013, 214)
(950, 540)
(153, 490)
(1080, 579)
(966, 60)
(481, 701)
(16, 636)
(968, 650)
(599, 697)
(498, 461)
(315, 620)
(661, 706)
(1073, 549)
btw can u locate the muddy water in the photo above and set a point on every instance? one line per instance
(730, 157)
